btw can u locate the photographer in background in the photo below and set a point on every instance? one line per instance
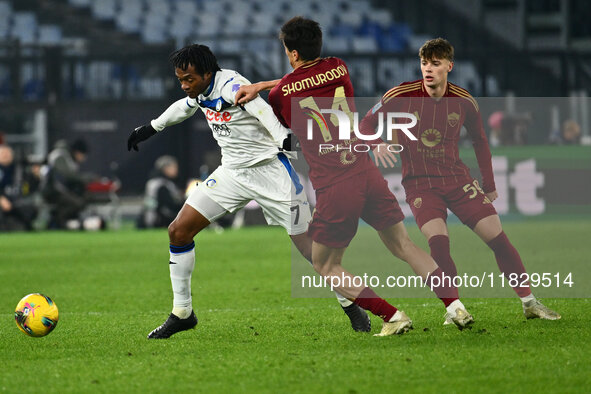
(569, 134)
(162, 198)
(64, 185)
(17, 210)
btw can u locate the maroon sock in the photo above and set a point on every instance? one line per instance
(443, 287)
(370, 301)
(509, 262)
(439, 245)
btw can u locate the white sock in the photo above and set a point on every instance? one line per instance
(528, 298)
(182, 262)
(342, 300)
(396, 316)
(451, 308)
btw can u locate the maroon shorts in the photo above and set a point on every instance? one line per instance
(339, 207)
(467, 201)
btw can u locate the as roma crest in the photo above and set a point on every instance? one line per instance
(453, 119)
(417, 202)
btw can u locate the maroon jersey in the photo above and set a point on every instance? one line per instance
(331, 160)
(433, 160)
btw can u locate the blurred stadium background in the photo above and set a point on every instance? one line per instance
(95, 69)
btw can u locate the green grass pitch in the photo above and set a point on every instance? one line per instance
(112, 288)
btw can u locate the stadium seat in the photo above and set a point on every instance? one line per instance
(183, 25)
(342, 30)
(80, 3)
(4, 25)
(213, 7)
(395, 38)
(22, 20)
(328, 8)
(241, 8)
(33, 87)
(128, 23)
(335, 45)
(416, 41)
(370, 28)
(131, 7)
(211, 44)
(381, 17)
(236, 24)
(186, 7)
(24, 27)
(262, 24)
(50, 35)
(156, 21)
(364, 45)
(351, 18)
(208, 25)
(104, 9)
(162, 8)
(272, 9)
(229, 46)
(325, 20)
(153, 35)
(5, 9)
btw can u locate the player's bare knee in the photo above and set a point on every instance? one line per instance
(178, 235)
(402, 246)
(322, 268)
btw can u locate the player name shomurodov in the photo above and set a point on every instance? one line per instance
(315, 80)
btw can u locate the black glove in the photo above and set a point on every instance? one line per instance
(140, 134)
(291, 143)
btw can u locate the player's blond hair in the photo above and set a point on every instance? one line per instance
(437, 48)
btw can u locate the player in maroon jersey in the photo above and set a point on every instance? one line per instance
(348, 185)
(433, 175)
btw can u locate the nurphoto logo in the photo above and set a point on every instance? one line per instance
(350, 122)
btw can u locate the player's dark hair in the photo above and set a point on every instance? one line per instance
(437, 48)
(79, 146)
(200, 56)
(303, 35)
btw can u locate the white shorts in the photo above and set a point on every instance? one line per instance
(274, 186)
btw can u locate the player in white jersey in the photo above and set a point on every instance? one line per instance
(253, 168)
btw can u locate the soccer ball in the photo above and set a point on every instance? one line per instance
(36, 315)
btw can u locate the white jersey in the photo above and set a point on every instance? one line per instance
(246, 135)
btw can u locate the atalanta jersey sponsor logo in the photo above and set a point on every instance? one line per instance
(218, 116)
(221, 129)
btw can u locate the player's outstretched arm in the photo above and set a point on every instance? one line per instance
(475, 129)
(383, 156)
(248, 93)
(138, 135)
(176, 113)
(264, 113)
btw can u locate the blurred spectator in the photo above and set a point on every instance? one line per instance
(508, 128)
(515, 129)
(64, 185)
(16, 212)
(6, 167)
(569, 134)
(163, 199)
(495, 122)
(31, 182)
